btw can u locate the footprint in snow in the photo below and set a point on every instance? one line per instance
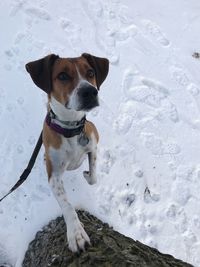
(196, 221)
(19, 37)
(20, 100)
(146, 95)
(172, 211)
(170, 109)
(181, 193)
(159, 147)
(179, 76)
(194, 90)
(143, 90)
(108, 159)
(109, 26)
(123, 123)
(73, 32)
(38, 13)
(149, 197)
(156, 85)
(155, 33)
(93, 9)
(130, 76)
(17, 6)
(153, 143)
(130, 199)
(31, 140)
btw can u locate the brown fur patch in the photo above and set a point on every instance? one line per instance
(53, 139)
(83, 67)
(91, 129)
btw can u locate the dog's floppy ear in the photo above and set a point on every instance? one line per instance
(100, 66)
(41, 71)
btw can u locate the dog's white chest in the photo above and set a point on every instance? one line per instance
(70, 155)
(75, 152)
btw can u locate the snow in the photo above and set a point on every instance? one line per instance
(149, 119)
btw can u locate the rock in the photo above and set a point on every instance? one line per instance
(109, 248)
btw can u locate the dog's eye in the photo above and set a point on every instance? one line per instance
(63, 76)
(90, 73)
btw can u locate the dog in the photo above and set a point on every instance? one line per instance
(72, 85)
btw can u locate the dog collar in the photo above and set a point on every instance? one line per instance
(67, 128)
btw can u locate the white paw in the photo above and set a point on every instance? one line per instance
(77, 237)
(91, 179)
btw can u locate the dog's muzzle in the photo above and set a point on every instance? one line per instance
(88, 97)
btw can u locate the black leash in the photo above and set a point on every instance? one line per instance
(27, 171)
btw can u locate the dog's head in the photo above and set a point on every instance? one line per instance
(74, 82)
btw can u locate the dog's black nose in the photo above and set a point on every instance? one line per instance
(88, 97)
(88, 91)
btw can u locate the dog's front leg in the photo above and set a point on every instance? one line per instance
(76, 235)
(90, 175)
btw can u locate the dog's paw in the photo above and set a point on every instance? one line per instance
(77, 237)
(91, 179)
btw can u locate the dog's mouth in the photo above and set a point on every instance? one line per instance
(84, 104)
(88, 105)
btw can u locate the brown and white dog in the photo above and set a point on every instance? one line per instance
(72, 85)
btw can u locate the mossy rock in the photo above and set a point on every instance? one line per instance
(109, 248)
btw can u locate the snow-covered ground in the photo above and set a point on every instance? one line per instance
(149, 119)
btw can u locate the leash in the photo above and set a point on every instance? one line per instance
(27, 171)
